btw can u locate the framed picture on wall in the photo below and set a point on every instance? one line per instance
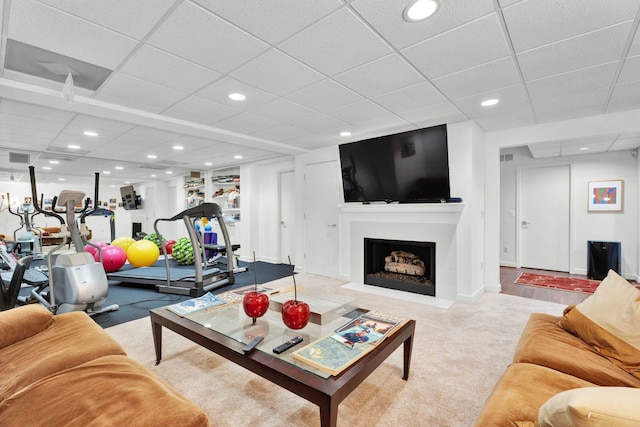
(605, 196)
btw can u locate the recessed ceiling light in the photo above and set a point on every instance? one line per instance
(418, 10)
(237, 97)
(119, 168)
(345, 133)
(237, 156)
(90, 133)
(489, 102)
(73, 147)
(168, 172)
(584, 148)
(60, 179)
(127, 182)
(153, 176)
(47, 168)
(54, 162)
(106, 172)
(178, 147)
(208, 164)
(151, 156)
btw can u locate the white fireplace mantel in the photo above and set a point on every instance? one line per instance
(430, 222)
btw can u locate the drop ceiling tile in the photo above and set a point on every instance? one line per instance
(584, 51)
(386, 125)
(282, 111)
(200, 110)
(36, 111)
(47, 28)
(246, 123)
(11, 131)
(464, 47)
(276, 73)
(410, 98)
(433, 115)
(129, 88)
(586, 103)
(30, 123)
(324, 95)
(83, 122)
(335, 44)
(625, 97)
(358, 112)
(132, 18)
(634, 50)
(165, 69)
(219, 92)
(201, 37)
(366, 79)
(282, 133)
(152, 134)
(630, 70)
(386, 17)
(545, 150)
(271, 20)
(537, 23)
(483, 78)
(573, 82)
(627, 142)
(321, 123)
(509, 97)
(517, 116)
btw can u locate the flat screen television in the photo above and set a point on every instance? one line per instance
(407, 167)
(130, 200)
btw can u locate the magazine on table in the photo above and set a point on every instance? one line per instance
(369, 328)
(194, 305)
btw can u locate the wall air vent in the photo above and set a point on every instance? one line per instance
(19, 158)
(506, 157)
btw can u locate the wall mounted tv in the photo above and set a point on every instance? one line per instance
(407, 167)
(130, 200)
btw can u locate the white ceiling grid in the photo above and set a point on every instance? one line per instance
(309, 70)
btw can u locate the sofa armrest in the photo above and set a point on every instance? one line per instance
(23, 322)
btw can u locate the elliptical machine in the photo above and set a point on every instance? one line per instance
(76, 281)
(30, 241)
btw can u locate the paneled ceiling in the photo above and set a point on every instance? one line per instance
(152, 75)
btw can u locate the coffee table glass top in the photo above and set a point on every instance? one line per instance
(232, 322)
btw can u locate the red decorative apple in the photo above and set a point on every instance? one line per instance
(255, 303)
(295, 314)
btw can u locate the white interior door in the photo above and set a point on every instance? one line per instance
(321, 218)
(287, 217)
(544, 218)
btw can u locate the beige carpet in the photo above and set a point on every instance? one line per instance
(458, 355)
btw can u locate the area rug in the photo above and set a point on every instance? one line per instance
(574, 284)
(458, 355)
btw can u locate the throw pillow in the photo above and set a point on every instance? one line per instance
(592, 407)
(609, 321)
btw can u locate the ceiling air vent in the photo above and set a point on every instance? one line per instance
(19, 158)
(506, 157)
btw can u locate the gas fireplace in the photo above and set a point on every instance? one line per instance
(401, 265)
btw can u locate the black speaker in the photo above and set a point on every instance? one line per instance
(136, 228)
(602, 257)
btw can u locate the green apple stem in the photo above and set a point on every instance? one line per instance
(293, 275)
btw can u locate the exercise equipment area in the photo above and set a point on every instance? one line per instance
(203, 275)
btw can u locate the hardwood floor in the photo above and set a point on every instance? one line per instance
(508, 276)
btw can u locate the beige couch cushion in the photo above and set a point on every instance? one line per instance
(520, 393)
(609, 320)
(20, 323)
(73, 339)
(109, 391)
(543, 342)
(592, 407)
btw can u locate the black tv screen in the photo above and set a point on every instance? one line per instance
(407, 167)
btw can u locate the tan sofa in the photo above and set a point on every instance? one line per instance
(580, 369)
(65, 370)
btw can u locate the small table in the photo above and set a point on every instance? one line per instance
(230, 336)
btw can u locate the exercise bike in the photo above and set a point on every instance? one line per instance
(77, 282)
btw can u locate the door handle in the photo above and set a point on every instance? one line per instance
(332, 225)
(525, 223)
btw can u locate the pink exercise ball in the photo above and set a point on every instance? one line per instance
(113, 257)
(92, 250)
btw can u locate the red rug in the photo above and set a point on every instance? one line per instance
(556, 282)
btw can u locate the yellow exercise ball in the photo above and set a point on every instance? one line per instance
(123, 242)
(143, 253)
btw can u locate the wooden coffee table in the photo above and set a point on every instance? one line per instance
(325, 391)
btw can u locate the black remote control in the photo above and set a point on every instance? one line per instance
(287, 345)
(252, 344)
